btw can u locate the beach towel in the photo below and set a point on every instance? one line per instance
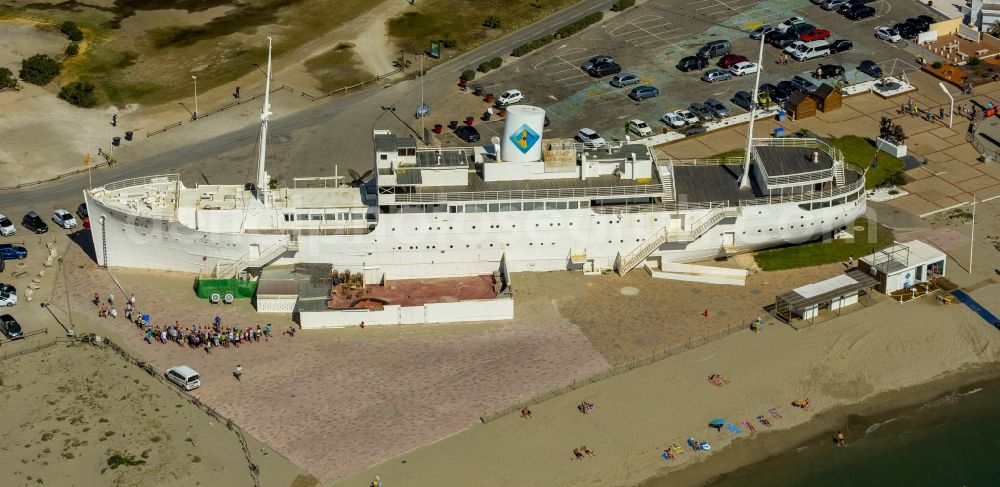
(732, 427)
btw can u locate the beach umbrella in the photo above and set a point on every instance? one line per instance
(717, 423)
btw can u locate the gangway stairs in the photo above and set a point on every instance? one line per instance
(667, 181)
(625, 263)
(838, 174)
(252, 259)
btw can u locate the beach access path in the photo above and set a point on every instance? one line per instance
(638, 414)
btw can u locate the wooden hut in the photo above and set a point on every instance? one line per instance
(827, 98)
(801, 105)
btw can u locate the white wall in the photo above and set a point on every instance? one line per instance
(276, 304)
(475, 310)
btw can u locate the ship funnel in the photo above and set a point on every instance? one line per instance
(522, 134)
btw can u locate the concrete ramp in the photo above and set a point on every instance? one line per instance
(695, 273)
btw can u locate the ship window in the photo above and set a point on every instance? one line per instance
(560, 205)
(574, 205)
(289, 217)
(302, 216)
(330, 216)
(471, 209)
(505, 207)
(550, 205)
(357, 216)
(837, 202)
(584, 204)
(804, 206)
(494, 207)
(533, 205)
(316, 216)
(383, 156)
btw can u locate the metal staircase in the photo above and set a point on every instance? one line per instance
(625, 263)
(249, 259)
(838, 174)
(667, 181)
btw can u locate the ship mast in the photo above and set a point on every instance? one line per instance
(265, 114)
(745, 180)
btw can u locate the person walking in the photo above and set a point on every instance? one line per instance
(236, 94)
(841, 439)
(238, 373)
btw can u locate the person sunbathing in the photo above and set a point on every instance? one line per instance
(588, 451)
(802, 402)
(525, 413)
(578, 454)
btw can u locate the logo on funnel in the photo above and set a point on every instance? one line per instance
(524, 138)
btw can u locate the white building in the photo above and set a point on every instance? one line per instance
(902, 266)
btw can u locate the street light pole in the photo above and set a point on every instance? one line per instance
(972, 237)
(194, 116)
(951, 114)
(422, 136)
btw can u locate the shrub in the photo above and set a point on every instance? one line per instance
(80, 94)
(570, 29)
(622, 5)
(39, 69)
(72, 31)
(448, 43)
(936, 65)
(975, 61)
(7, 80)
(531, 46)
(469, 74)
(493, 22)
(487, 66)
(72, 49)
(118, 459)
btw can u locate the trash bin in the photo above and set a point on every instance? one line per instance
(779, 131)
(453, 124)
(781, 115)
(477, 90)
(469, 120)
(437, 128)
(489, 98)
(128, 135)
(116, 141)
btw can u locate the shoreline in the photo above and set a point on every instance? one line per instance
(818, 430)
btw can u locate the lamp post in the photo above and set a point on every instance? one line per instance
(422, 97)
(972, 237)
(194, 116)
(951, 114)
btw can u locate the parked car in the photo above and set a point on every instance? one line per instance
(743, 100)
(927, 19)
(689, 118)
(729, 60)
(833, 4)
(815, 35)
(851, 4)
(603, 69)
(817, 2)
(640, 93)
(794, 46)
(887, 34)
(467, 133)
(673, 119)
(81, 211)
(692, 63)
(803, 84)
(772, 92)
(918, 24)
(799, 29)
(841, 45)
(63, 219)
(185, 377)
(862, 12)
(870, 68)
(7, 288)
(509, 97)
(744, 68)
(33, 222)
(639, 128)
(12, 252)
(11, 327)
(701, 111)
(7, 227)
(761, 31)
(787, 87)
(717, 108)
(826, 71)
(906, 31)
(788, 23)
(590, 139)
(782, 41)
(595, 61)
(713, 75)
(622, 80)
(8, 299)
(713, 49)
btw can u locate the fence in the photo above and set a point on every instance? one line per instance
(345, 89)
(218, 109)
(617, 370)
(33, 349)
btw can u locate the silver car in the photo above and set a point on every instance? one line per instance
(713, 75)
(594, 61)
(624, 79)
(717, 108)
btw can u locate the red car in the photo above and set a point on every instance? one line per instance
(815, 35)
(729, 60)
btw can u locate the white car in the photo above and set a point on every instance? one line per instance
(673, 119)
(688, 116)
(7, 227)
(8, 299)
(590, 139)
(789, 23)
(887, 34)
(791, 48)
(744, 68)
(639, 128)
(509, 97)
(63, 218)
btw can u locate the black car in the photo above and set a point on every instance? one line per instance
(927, 19)
(799, 29)
(870, 68)
(692, 63)
(10, 327)
(906, 31)
(841, 45)
(787, 87)
(742, 99)
(828, 71)
(862, 12)
(467, 133)
(33, 222)
(784, 40)
(918, 24)
(773, 93)
(604, 69)
(851, 5)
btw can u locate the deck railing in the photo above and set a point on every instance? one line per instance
(532, 194)
(133, 182)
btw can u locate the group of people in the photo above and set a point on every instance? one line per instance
(585, 407)
(108, 310)
(580, 451)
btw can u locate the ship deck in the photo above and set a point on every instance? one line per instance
(414, 292)
(784, 161)
(713, 183)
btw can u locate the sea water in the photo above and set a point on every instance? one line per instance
(953, 441)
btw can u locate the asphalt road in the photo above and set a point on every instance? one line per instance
(340, 127)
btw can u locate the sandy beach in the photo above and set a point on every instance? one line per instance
(886, 347)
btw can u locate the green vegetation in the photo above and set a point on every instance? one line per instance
(622, 5)
(79, 93)
(71, 31)
(936, 65)
(975, 61)
(156, 439)
(531, 46)
(827, 251)
(39, 69)
(860, 153)
(487, 66)
(337, 68)
(119, 458)
(7, 80)
(469, 74)
(72, 49)
(570, 29)
(492, 22)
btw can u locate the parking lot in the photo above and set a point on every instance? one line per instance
(650, 39)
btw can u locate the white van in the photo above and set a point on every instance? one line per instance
(811, 50)
(184, 376)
